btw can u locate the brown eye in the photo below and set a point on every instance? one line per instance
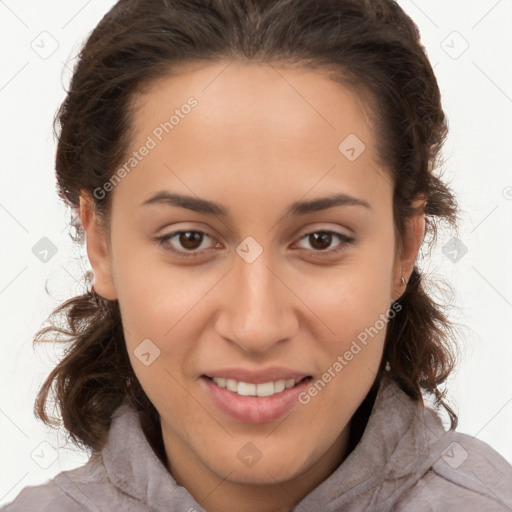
(186, 243)
(320, 241)
(189, 239)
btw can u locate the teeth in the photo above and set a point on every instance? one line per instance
(279, 385)
(231, 384)
(222, 382)
(248, 389)
(265, 389)
(289, 383)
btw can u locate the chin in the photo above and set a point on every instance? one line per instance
(277, 468)
(264, 475)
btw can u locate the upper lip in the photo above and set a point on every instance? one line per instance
(257, 376)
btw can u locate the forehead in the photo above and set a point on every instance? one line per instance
(306, 102)
(252, 126)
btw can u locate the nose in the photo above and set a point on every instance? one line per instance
(258, 308)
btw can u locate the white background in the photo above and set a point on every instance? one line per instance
(477, 96)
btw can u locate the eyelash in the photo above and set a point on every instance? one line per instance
(189, 254)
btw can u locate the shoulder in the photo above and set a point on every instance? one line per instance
(84, 489)
(41, 498)
(466, 472)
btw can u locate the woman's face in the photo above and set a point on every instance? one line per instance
(265, 288)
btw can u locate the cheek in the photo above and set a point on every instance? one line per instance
(349, 358)
(159, 306)
(155, 296)
(352, 296)
(354, 302)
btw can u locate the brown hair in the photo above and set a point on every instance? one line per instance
(371, 45)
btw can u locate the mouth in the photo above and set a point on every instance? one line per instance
(255, 403)
(262, 389)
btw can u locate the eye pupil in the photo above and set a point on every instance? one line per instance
(190, 242)
(323, 237)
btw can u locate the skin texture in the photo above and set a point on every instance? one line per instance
(260, 138)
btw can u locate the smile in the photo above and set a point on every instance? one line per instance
(248, 389)
(254, 403)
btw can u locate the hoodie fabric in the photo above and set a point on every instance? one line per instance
(404, 461)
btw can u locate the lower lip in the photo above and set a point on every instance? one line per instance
(254, 409)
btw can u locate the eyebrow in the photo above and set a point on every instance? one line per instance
(205, 206)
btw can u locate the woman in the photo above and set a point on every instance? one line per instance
(254, 181)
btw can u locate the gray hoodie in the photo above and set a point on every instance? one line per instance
(404, 461)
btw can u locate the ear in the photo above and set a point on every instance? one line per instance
(97, 249)
(407, 253)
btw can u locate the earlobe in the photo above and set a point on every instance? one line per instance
(97, 250)
(411, 243)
